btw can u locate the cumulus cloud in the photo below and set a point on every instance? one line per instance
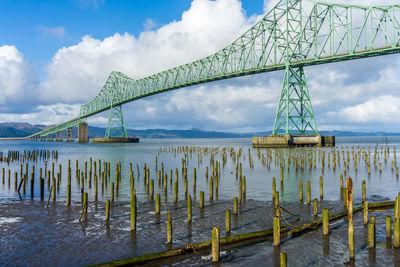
(77, 73)
(18, 80)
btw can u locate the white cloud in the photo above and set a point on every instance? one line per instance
(18, 80)
(77, 73)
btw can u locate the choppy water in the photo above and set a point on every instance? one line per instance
(33, 235)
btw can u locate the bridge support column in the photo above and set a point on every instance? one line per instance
(69, 136)
(59, 137)
(294, 113)
(49, 138)
(116, 123)
(294, 122)
(83, 136)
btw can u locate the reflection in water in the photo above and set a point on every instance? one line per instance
(277, 256)
(325, 245)
(372, 255)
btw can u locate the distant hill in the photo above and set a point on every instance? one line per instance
(20, 129)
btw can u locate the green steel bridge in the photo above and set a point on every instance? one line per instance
(292, 35)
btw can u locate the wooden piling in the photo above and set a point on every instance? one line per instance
(371, 234)
(325, 221)
(211, 189)
(152, 189)
(107, 210)
(133, 209)
(388, 227)
(363, 189)
(176, 192)
(273, 188)
(169, 228)
(158, 204)
(301, 191)
(349, 185)
(283, 259)
(215, 244)
(112, 191)
(189, 209)
(365, 212)
(308, 192)
(201, 199)
(396, 232)
(228, 221)
(235, 206)
(277, 231)
(276, 205)
(315, 207)
(321, 187)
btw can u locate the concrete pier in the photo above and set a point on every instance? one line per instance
(287, 140)
(115, 140)
(59, 137)
(69, 136)
(83, 135)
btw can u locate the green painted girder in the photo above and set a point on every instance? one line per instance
(318, 33)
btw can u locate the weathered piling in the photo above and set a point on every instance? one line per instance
(371, 233)
(201, 199)
(152, 189)
(228, 221)
(308, 192)
(365, 212)
(315, 207)
(133, 209)
(176, 192)
(396, 232)
(276, 204)
(235, 206)
(277, 231)
(363, 190)
(215, 244)
(107, 210)
(189, 209)
(325, 221)
(112, 191)
(301, 191)
(169, 228)
(283, 259)
(273, 188)
(349, 185)
(158, 204)
(321, 187)
(211, 189)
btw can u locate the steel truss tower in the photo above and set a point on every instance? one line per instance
(116, 123)
(294, 113)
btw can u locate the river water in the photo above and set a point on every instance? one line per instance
(34, 234)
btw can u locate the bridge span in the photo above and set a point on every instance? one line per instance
(292, 35)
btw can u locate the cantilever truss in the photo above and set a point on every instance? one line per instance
(293, 33)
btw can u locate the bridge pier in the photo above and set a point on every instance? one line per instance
(69, 135)
(58, 137)
(49, 138)
(83, 135)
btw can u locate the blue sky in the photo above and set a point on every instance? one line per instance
(56, 55)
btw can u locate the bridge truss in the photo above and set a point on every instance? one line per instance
(292, 35)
